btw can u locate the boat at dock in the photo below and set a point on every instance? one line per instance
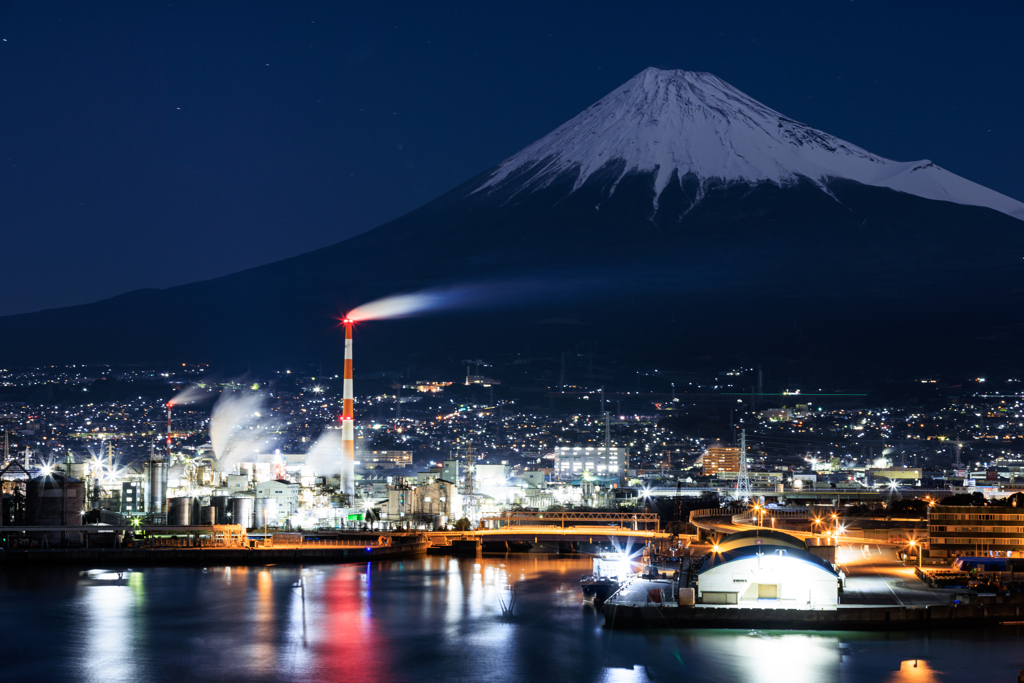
(610, 571)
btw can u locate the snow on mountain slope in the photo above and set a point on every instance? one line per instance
(664, 121)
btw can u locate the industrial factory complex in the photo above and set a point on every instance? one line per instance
(764, 513)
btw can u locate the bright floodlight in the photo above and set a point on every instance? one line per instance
(47, 470)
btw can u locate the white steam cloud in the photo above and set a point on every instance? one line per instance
(240, 428)
(325, 455)
(399, 306)
(548, 288)
(190, 394)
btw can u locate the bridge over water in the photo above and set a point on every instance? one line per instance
(535, 527)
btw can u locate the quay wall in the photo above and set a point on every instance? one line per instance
(207, 557)
(842, 619)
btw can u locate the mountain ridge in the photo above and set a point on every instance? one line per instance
(757, 268)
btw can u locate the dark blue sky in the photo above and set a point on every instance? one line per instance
(148, 144)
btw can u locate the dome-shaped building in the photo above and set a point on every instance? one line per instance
(768, 575)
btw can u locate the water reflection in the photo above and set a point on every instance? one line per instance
(108, 634)
(428, 619)
(915, 671)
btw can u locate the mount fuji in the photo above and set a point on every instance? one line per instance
(675, 218)
(697, 131)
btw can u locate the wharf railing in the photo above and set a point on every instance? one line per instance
(759, 515)
(637, 521)
(379, 542)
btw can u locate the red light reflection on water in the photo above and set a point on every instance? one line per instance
(352, 648)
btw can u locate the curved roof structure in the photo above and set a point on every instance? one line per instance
(744, 552)
(760, 537)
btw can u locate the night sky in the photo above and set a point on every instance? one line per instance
(149, 144)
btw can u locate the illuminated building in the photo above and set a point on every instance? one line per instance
(721, 459)
(387, 460)
(972, 531)
(572, 462)
(286, 493)
(132, 502)
(750, 575)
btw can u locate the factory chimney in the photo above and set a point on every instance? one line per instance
(348, 439)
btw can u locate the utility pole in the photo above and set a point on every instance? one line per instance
(743, 477)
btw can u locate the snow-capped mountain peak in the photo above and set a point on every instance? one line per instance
(676, 123)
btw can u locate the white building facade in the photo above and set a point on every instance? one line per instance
(286, 493)
(768, 576)
(572, 461)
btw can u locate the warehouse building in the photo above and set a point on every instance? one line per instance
(974, 531)
(767, 569)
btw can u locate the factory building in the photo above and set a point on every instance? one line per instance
(286, 494)
(400, 504)
(132, 502)
(970, 531)
(490, 475)
(435, 503)
(450, 471)
(572, 462)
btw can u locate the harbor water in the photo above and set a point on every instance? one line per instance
(431, 618)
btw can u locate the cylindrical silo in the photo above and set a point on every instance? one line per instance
(208, 515)
(241, 511)
(157, 487)
(266, 512)
(179, 511)
(221, 505)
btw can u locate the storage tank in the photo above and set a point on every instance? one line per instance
(241, 511)
(54, 500)
(265, 512)
(47, 504)
(179, 511)
(220, 503)
(208, 515)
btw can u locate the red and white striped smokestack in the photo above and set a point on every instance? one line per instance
(348, 438)
(169, 404)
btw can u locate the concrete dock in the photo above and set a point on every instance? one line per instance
(207, 557)
(882, 593)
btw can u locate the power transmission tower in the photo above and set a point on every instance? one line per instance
(743, 478)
